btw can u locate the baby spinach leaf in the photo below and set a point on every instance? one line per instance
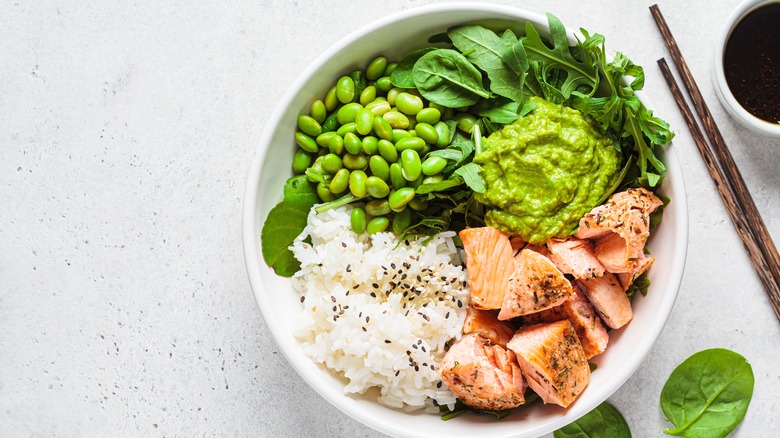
(708, 394)
(499, 110)
(603, 422)
(402, 75)
(285, 222)
(446, 77)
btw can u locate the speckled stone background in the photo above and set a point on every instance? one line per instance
(126, 133)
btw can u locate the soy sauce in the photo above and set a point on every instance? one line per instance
(751, 62)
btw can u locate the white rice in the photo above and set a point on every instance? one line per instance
(357, 319)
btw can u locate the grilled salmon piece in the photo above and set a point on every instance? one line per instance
(489, 264)
(639, 267)
(485, 323)
(483, 375)
(535, 285)
(552, 360)
(578, 310)
(575, 257)
(517, 244)
(609, 299)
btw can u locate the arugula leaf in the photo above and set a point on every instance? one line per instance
(446, 77)
(470, 175)
(285, 222)
(604, 421)
(402, 77)
(359, 78)
(708, 394)
(641, 285)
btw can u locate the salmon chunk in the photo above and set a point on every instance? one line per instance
(552, 360)
(535, 285)
(609, 299)
(485, 323)
(483, 375)
(489, 264)
(640, 267)
(578, 310)
(575, 257)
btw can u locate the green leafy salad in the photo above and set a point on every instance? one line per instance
(398, 140)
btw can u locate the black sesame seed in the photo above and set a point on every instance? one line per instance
(303, 299)
(438, 385)
(332, 298)
(387, 341)
(375, 286)
(343, 244)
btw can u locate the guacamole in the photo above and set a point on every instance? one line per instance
(545, 171)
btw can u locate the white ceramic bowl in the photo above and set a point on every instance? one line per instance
(393, 36)
(725, 96)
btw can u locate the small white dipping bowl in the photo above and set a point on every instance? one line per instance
(722, 89)
(393, 36)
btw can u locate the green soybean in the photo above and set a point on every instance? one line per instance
(392, 95)
(384, 83)
(348, 112)
(331, 100)
(340, 181)
(415, 143)
(382, 128)
(357, 183)
(418, 204)
(410, 164)
(433, 165)
(408, 103)
(379, 167)
(336, 144)
(376, 68)
(427, 133)
(301, 161)
(306, 143)
(367, 95)
(402, 220)
(325, 137)
(331, 163)
(433, 179)
(378, 207)
(378, 107)
(387, 150)
(377, 225)
(416, 183)
(466, 122)
(397, 176)
(349, 127)
(345, 89)
(399, 133)
(399, 198)
(318, 111)
(376, 187)
(364, 121)
(370, 145)
(355, 161)
(390, 68)
(358, 220)
(443, 132)
(309, 126)
(396, 119)
(352, 143)
(324, 193)
(428, 115)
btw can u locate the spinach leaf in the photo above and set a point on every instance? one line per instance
(446, 77)
(285, 222)
(604, 422)
(499, 110)
(401, 77)
(487, 50)
(708, 394)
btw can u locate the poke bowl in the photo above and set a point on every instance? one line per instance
(280, 304)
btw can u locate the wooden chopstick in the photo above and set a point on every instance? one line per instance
(756, 228)
(734, 211)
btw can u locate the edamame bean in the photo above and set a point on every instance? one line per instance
(376, 187)
(357, 183)
(331, 163)
(399, 133)
(466, 122)
(443, 132)
(382, 128)
(345, 89)
(408, 103)
(301, 161)
(418, 204)
(399, 198)
(376, 68)
(416, 183)
(348, 112)
(396, 119)
(358, 220)
(367, 95)
(355, 161)
(428, 115)
(410, 164)
(390, 68)
(379, 167)
(349, 127)
(309, 126)
(433, 179)
(415, 143)
(336, 144)
(325, 137)
(364, 121)
(392, 95)
(370, 145)
(318, 111)
(331, 100)
(340, 181)
(377, 225)
(378, 107)
(324, 193)
(378, 207)
(397, 176)
(387, 150)
(306, 143)
(433, 165)
(427, 133)
(352, 143)
(384, 83)
(402, 220)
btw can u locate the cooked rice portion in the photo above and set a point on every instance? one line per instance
(377, 311)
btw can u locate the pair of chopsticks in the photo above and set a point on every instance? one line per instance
(731, 187)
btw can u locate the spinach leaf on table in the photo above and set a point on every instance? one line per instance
(603, 422)
(708, 394)
(446, 77)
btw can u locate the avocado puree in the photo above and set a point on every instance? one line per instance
(545, 171)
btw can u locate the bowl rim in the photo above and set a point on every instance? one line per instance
(253, 258)
(722, 89)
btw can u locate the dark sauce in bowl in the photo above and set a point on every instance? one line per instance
(751, 62)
